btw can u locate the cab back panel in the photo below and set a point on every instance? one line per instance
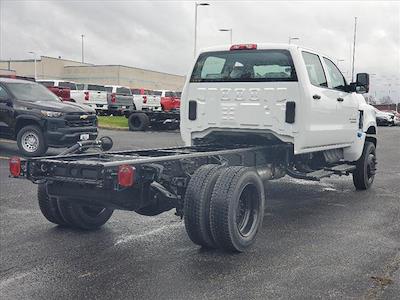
(242, 105)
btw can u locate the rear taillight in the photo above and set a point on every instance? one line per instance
(144, 99)
(244, 47)
(126, 175)
(86, 96)
(15, 166)
(113, 98)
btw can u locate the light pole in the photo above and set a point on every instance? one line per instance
(195, 23)
(34, 61)
(293, 39)
(82, 36)
(354, 48)
(230, 33)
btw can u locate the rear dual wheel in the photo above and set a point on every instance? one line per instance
(71, 214)
(138, 122)
(224, 207)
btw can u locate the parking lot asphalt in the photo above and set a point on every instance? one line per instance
(318, 240)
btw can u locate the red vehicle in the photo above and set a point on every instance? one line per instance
(64, 92)
(170, 100)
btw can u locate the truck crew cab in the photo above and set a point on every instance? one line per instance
(37, 119)
(249, 113)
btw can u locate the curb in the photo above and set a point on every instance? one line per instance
(113, 128)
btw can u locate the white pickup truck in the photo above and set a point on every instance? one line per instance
(250, 113)
(93, 95)
(146, 99)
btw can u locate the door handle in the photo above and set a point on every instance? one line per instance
(340, 99)
(316, 97)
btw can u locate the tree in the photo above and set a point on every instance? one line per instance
(370, 99)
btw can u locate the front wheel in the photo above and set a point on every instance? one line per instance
(31, 141)
(364, 174)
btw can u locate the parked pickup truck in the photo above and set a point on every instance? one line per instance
(250, 113)
(146, 100)
(93, 95)
(60, 88)
(169, 100)
(37, 119)
(119, 99)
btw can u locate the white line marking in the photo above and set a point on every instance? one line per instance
(5, 282)
(154, 232)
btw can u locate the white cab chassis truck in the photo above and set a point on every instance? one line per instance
(249, 113)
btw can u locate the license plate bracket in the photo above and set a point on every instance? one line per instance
(84, 136)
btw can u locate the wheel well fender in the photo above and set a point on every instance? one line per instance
(371, 130)
(26, 121)
(372, 139)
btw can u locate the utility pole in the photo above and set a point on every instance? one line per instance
(83, 60)
(354, 48)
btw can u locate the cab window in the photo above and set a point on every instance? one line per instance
(314, 69)
(3, 94)
(244, 66)
(337, 80)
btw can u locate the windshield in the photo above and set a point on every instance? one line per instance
(31, 92)
(47, 83)
(244, 66)
(169, 94)
(109, 89)
(66, 84)
(124, 91)
(157, 93)
(95, 87)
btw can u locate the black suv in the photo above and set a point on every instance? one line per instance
(38, 119)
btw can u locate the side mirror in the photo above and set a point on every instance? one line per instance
(362, 83)
(7, 102)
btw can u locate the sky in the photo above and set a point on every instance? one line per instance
(159, 35)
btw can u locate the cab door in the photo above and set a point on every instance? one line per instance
(6, 113)
(321, 120)
(346, 103)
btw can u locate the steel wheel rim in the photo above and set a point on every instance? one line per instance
(247, 210)
(30, 141)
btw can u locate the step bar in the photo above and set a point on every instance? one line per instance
(340, 170)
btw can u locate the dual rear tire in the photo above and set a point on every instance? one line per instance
(224, 207)
(70, 213)
(138, 122)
